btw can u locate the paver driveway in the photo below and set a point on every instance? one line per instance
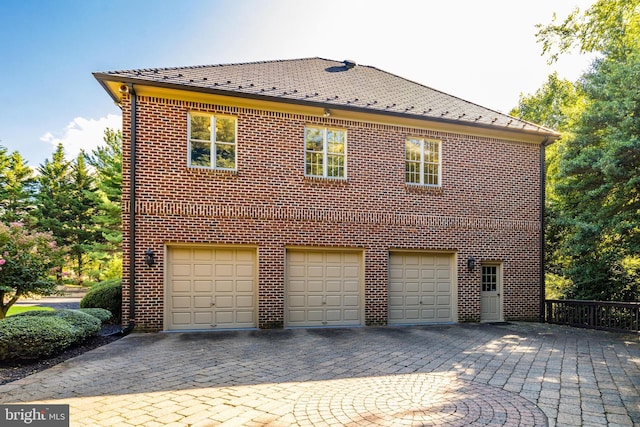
(476, 374)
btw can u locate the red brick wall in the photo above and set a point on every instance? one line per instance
(487, 207)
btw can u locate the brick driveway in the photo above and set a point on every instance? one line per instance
(510, 374)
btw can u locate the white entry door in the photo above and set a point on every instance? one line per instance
(490, 294)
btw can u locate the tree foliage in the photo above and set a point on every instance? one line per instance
(593, 227)
(26, 263)
(16, 187)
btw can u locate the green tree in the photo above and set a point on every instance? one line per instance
(610, 28)
(26, 262)
(599, 183)
(65, 206)
(592, 189)
(16, 188)
(106, 161)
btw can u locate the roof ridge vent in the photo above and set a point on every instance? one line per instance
(349, 64)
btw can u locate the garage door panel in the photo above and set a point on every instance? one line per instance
(181, 302)
(245, 286)
(181, 318)
(201, 302)
(334, 286)
(224, 301)
(314, 300)
(316, 286)
(199, 277)
(244, 301)
(203, 286)
(424, 291)
(427, 287)
(351, 287)
(225, 286)
(330, 284)
(181, 286)
(181, 270)
(203, 318)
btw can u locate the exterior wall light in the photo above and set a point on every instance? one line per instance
(471, 263)
(149, 258)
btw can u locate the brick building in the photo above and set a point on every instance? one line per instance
(320, 193)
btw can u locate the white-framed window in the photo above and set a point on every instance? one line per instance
(325, 152)
(423, 161)
(212, 141)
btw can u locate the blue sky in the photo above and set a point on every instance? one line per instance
(481, 51)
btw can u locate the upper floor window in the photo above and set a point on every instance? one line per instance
(422, 161)
(212, 141)
(325, 152)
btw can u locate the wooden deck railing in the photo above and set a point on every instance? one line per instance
(613, 316)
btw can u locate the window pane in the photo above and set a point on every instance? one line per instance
(412, 172)
(314, 139)
(225, 156)
(201, 127)
(200, 154)
(335, 141)
(225, 129)
(412, 147)
(431, 174)
(431, 151)
(314, 164)
(335, 166)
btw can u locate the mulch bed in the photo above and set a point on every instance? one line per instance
(17, 369)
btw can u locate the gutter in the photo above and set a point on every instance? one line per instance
(543, 145)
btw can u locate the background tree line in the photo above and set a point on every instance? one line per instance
(77, 201)
(593, 171)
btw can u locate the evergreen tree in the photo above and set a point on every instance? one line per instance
(16, 188)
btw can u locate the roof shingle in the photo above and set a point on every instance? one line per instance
(328, 83)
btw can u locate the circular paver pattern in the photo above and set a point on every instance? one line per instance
(414, 400)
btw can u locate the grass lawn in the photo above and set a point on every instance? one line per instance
(15, 309)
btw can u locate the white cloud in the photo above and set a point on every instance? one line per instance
(83, 134)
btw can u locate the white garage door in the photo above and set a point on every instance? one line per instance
(210, 288)
(323, 288)
(421, 288)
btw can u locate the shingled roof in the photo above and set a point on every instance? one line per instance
(326, 83)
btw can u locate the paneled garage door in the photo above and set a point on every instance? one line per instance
(323, 288)
(421, 288)
(210, 288)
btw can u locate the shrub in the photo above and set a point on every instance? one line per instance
(33, 337)
(83, 325)
(107, 295)
(102, 314)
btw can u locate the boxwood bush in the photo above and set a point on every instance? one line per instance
(106, 295)
(83, 325)
(102, 314)
(33, 337)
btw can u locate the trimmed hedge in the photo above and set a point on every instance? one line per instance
(106, 295)
(84, 325)
(102, 314)
(33, 337)
(37, 334)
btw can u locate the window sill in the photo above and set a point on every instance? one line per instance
(325, 180)
(424, 189)
(209, 171)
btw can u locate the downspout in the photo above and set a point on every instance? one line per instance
(543, 145)
(132, 213)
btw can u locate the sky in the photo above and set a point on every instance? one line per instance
(481, 51)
